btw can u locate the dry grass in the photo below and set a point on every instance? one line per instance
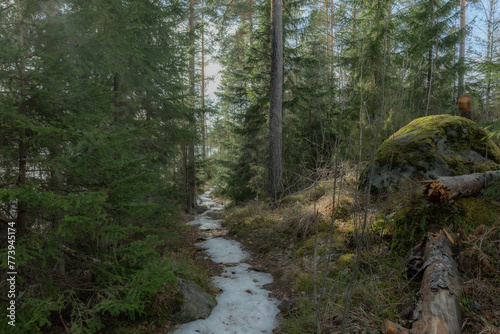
(374, 283)
(480, 262)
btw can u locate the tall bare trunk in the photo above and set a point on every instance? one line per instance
(276, 101)
(461, 53)
(326, 3)
(490, 47)
(191, 170)
(430, 67)
(250, 22)
(203, 121)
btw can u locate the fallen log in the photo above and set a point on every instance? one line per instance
(446, 189)
(438, 308)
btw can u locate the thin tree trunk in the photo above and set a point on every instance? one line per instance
(430, 74)
(21, 179)
(276, 100)
(326, 4)
(490, 47)
(185, 188)
(203, 150)
(250, 22)
(191, 170)
(461, 54)
(430, 67)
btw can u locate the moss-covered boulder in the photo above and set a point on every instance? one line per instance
(443, 145)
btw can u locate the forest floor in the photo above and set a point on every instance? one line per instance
(346, 275)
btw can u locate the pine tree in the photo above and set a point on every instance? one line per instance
(276, 104)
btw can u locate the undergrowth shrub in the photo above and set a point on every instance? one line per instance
(117, 281)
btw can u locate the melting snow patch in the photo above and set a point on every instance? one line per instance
(206, 223)
(224, 251)
(244, 306)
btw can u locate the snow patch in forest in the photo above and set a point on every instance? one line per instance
(224, 251)
(244, 306)
(206, 223)
(205, 200)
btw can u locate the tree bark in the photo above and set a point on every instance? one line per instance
(449, 188)
(191, 168)
(438, 310)
(276, 101)
(461, 53)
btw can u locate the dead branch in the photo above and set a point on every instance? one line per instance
(446, 189)
(438, 309)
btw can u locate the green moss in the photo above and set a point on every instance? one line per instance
(418, 141)
(346, 227)
(435, 143)
(415, 218)
(346, 260)
(475, 211)
(304, 282)
(307, 247)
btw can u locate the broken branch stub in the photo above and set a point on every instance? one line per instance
(448, 188)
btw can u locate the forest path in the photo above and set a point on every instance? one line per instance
(244, 306)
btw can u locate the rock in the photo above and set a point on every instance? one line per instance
(440, 145)
(196, 303)
(286, 305)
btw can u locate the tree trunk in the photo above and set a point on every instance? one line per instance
(203, 135)
(185, 188)
(22, 151)
(250, 22)
(191, 169)
(276, 99)
(430, 68)
(449, 188)
(490, 48)
(438, 309)
(461, 53)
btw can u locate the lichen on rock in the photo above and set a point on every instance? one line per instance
(443, 145)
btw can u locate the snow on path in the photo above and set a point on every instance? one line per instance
(244, 306)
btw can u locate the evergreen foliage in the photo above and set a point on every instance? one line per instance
(354, 73)
(92, 108)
